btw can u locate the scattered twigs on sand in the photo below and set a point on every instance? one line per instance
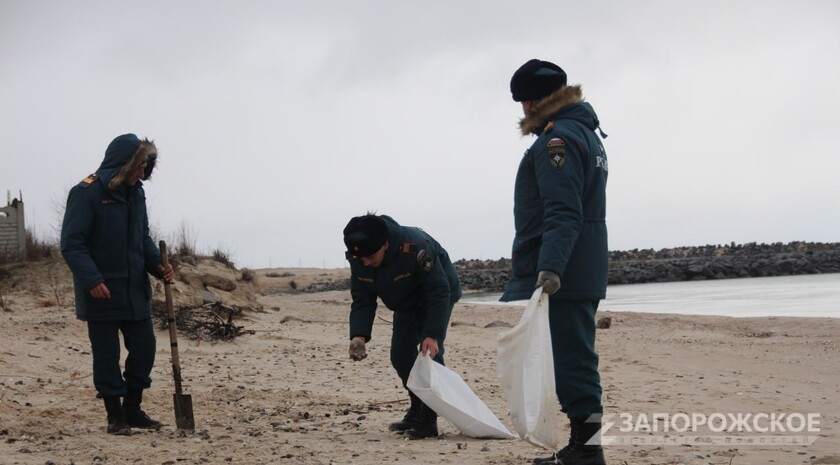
(208, 322)
(387, 402)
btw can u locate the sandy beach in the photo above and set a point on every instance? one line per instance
(289, 394)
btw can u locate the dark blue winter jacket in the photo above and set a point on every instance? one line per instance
(105, 236)
(416, 275)
(560, 201)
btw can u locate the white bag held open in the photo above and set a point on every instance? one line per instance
(447, 394)
(526, 374)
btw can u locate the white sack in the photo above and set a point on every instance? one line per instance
(447, 394)
(526, 374)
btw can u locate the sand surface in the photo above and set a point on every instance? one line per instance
(289, 394)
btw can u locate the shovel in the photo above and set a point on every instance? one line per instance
(183, 402)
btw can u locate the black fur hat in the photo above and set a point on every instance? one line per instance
(536, 79)
(364, 235)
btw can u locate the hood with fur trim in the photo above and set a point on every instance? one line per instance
(124, 155)
(544, 109)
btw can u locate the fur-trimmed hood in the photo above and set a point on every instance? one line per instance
(546, 108)
(124, 155)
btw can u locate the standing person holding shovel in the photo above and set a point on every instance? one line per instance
(106, 243)
(561, 237)
(414, 277)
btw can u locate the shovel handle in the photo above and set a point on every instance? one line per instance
(170, 321)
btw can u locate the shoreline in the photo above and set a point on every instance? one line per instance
(288, 394)
(771, 297)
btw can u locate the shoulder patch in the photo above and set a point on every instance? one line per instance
(548, 127)
(425, 260)
(88, 180)
(556, 149)
(407, 247)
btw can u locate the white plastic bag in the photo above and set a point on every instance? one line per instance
(526, 374)
(447, 394)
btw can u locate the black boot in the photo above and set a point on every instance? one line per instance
(133, 415)
(410, 418)
(426, 426)
(116, 419)
(577, 452)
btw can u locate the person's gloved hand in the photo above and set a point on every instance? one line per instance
(357, 348)
(549, 281)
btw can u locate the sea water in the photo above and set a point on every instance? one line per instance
(801, 296)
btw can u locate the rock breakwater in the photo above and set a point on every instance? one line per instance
(667, 265)
(684, 264)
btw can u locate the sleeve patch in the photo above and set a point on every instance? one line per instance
(556, 149)
(425, 260)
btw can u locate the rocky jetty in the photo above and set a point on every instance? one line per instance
(684, 264)
(665, 265)
(724, 262)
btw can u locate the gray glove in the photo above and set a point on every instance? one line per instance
(357, 348)
(549, 281)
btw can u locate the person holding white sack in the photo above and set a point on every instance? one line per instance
(414, 277)
(561, 241)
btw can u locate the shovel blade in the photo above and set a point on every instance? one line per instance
(184, 412)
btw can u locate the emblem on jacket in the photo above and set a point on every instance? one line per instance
(425, 260)
(601, 161)
(556, 152)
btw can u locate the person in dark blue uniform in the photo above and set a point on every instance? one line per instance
(413, 276)
(561, 237)
(105, 242)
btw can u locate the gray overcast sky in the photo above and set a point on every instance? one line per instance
(277, 121)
